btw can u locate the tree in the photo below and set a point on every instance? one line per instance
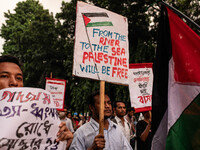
(30, 35)
(45, 44)
(143, 19)
(190, 8)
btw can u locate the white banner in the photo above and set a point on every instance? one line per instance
(28, 120)
(140, 86)
(57, 88)
(101, 44)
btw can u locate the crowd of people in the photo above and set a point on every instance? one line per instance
(121, 128)
(128, 123)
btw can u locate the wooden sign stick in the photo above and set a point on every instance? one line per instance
(101, 111)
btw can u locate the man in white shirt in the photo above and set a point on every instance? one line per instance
(120, 110)
(63, 118)
(87, 137)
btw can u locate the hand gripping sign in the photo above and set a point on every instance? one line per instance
(140, 86)
(28, 120)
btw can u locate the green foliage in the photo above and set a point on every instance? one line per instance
(45, 44)
(190, 8)
(30, 35)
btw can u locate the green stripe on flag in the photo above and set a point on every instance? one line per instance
(97, 24)
(185, 133)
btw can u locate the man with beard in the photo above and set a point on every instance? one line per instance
(120, 110)
(87, 137)
(143, 132)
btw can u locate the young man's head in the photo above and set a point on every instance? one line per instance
(10, 72)
(94, 105)
(120, 108)
(130, 112)
(147, 115)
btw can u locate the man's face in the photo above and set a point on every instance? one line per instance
(120, 109)
(69, 115)
(107, 107)
(10, 75)
(65, 111)
(130, 113)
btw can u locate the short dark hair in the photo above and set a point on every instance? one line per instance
(90, 98)
(118, 101)
(130, 109)
(12, 59)
(69, 113)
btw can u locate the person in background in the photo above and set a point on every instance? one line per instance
(69, 116)
(143, 132)
(120, 110)
(63, 118)
(82, 121)
(87, 137)
(76, 122)
(11, 75)
(132, 121)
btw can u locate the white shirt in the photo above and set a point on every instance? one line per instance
(114, 138)
(68, 124)
(125, 129)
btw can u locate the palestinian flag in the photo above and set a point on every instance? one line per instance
(96, 19)
(176, 87)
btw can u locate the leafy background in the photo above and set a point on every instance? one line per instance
(44, 43)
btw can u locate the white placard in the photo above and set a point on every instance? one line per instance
(57, 88)
(140, 86)
(101, 45)
(28, 120)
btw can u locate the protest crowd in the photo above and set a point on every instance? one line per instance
(121, 130)
(107, 123)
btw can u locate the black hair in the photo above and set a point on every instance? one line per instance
(130, 109)
(12, 59)
(69, 113)
(90, 98)
(118, 101)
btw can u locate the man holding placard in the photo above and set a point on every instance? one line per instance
(11, 76)
(87, 137)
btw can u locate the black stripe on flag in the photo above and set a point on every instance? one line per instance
(161, 69)
(96, 14)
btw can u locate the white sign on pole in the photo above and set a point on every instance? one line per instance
(101, 45)
(28, 120)
(57, 88)
(140, 86)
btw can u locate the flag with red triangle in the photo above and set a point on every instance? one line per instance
(96, 19)
(176, 87)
